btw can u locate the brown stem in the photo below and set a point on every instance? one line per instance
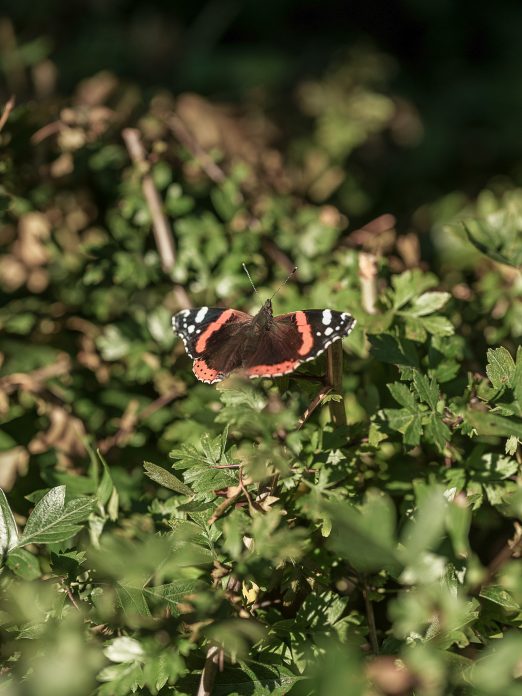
(34, 381)
(160, 226)
(512, 549)
(223, 507)
(9, 106)
(334, 378)
(182, 133)
(368, 276)
(208, 675)
(314, 404)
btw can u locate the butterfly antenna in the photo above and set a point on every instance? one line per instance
(249, 278)
(284, 282)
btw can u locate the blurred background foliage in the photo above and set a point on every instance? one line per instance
(374, 146)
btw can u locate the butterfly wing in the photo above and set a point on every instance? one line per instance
(296, 338)
(212, 337)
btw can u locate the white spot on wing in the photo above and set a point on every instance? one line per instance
(201, 314)
(191, 328)
(328, 331)
(327, 317)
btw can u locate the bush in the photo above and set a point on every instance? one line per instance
(277, 553)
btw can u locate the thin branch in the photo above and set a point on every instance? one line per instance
(9, 106)
(223, 507)
(334, 378)
(511, 549)
(162, 232)
(182, 133)
(131, 418)
(370, 617)
(314, 404)
(208, 675)
(277, 255)
(368, 276)
(34, 381)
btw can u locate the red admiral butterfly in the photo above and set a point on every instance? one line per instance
(223, 340)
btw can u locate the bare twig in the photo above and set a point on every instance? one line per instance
(208, 675)
(314, 404)
(235, 493)
(162, 232)
(34, 381)
(370, 617)
(277, 255)
(368, 276)
(9, 106)
(334, 378)
(512, 549)
(69, 594)
(182, 133)
(131, 418)
(46, 131)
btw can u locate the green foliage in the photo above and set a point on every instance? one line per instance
(149, 520)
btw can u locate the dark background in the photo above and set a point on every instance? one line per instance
(458, 63)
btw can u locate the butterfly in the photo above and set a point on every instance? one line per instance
(221, 341)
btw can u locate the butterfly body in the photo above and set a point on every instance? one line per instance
(221, 341)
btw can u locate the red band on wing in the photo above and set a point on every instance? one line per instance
(305, 330)
(270, 370)
(205, 373)
(212, 328)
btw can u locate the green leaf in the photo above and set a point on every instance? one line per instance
(124, 649)
(166, 479)
(438, 431)
(425, 529)
(402, 395)
(427, 390)
(389, 349)
(365, 537)
(517, 380)
(132, 600)
(409, 284)
(53, 520)
(500, 368)
(8, 529)
(436, 325)
(23, 564)
(458, 523)
(428, 303)
(498, 595)
(488, 424)
(174, 592)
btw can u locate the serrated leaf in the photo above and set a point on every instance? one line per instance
(438, 326)
(8, 529)
(427, 390)
(402, 395)
(410, 283)
(438, 431)
(174, 592)
(166, 479)
(132, 600)
(389, 349)
(500, 368)
(427, 303)
(53, 520)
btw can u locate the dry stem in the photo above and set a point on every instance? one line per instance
(162, 232)
(334, 376)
